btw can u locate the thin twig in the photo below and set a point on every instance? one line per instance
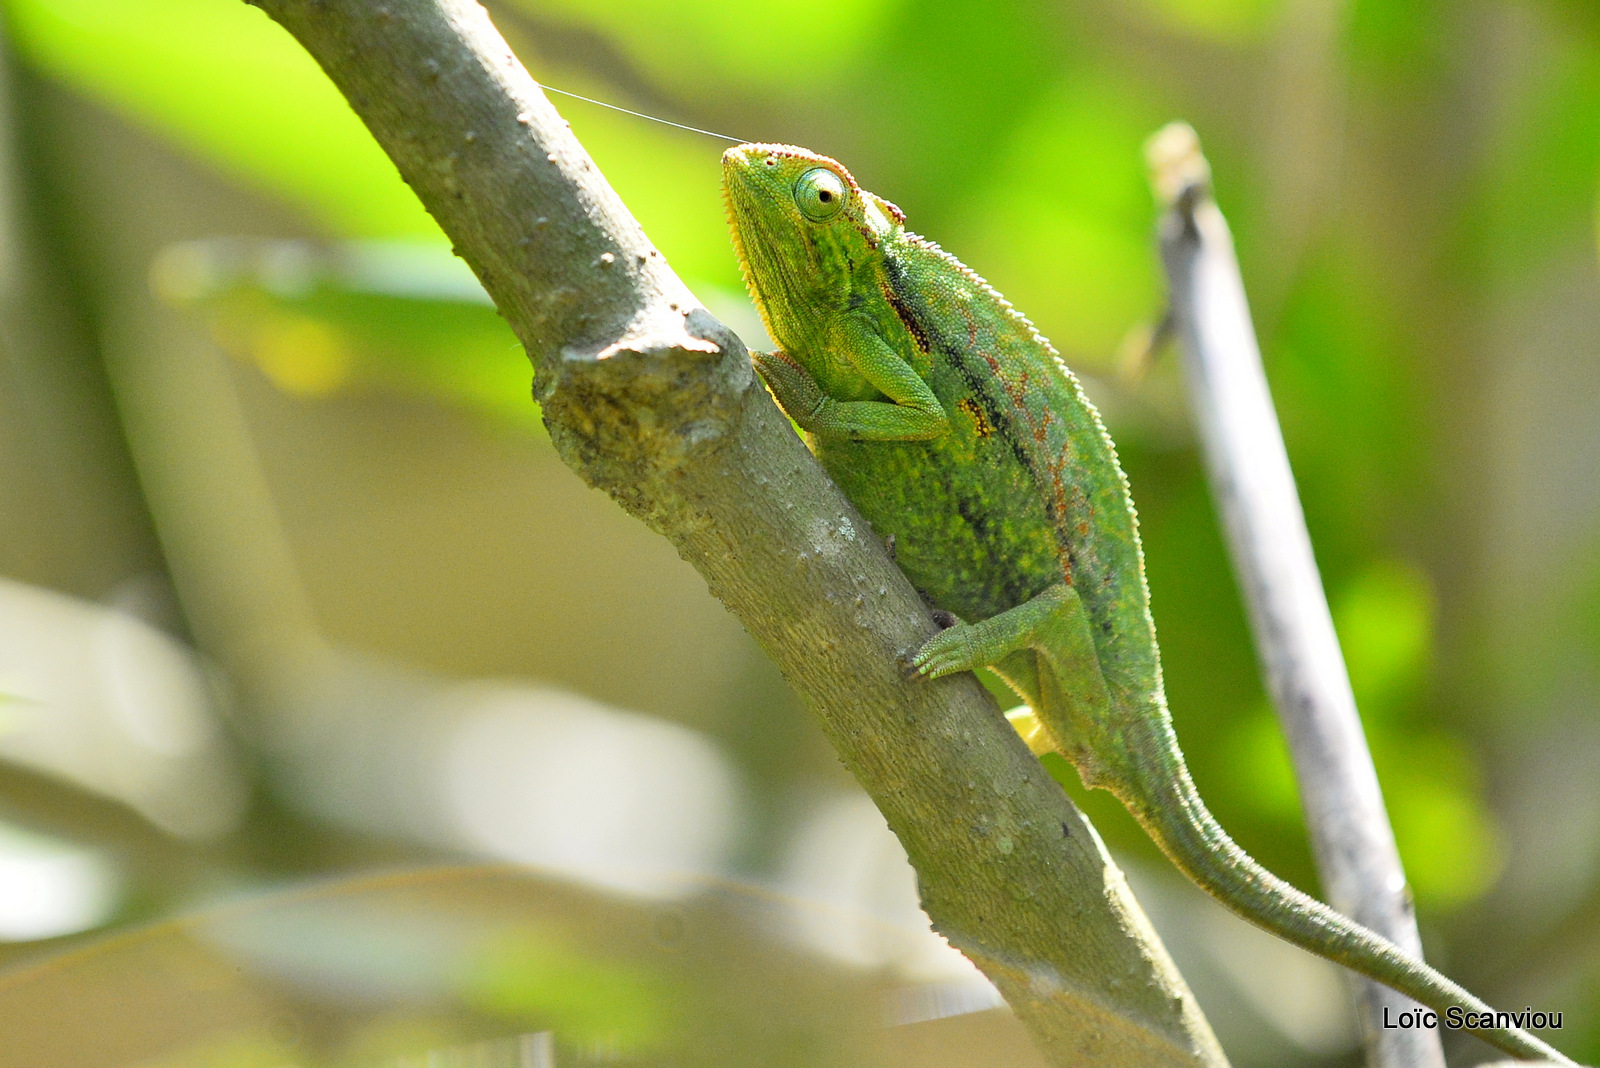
(650, 398)
(1266, 532)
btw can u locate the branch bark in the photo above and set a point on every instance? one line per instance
(1271, 549)
(651, 399)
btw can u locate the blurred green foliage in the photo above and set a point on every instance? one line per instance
(405, 314)
(232, 89)
(1413, 187)
(534, 977)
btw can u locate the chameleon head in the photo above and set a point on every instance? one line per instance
(801, 229)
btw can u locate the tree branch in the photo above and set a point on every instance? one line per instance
(1271, 549)
(651, 399)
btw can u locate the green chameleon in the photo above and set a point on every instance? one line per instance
(963, 439)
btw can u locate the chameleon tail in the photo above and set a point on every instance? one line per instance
(1173, 814)
(1044, 649)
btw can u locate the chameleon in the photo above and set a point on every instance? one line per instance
(962, 437)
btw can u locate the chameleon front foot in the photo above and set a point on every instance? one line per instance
(796, 391)
(951, 650)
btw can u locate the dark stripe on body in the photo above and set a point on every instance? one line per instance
(955, 357)
(908, 320)
(905, 305)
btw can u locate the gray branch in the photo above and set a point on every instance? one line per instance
(1266, 532)
(651, 399)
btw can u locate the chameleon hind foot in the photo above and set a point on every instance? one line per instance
(1046, 623)
(1044, 649)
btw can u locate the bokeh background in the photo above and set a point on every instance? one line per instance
(295, 596)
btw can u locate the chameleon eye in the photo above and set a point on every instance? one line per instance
(819, 194)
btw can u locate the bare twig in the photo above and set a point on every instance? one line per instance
(650, 398)
(1266, 532)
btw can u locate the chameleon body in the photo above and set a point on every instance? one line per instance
(958, 433)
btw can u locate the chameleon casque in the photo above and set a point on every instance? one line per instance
(958, 433)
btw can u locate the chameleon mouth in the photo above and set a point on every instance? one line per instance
(753, 236)
(750, 194)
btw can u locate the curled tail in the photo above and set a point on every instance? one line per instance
(1173, 814)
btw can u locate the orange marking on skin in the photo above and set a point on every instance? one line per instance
(1038, 424)
(975, 411)
(1017, 391)
(1060, 511)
